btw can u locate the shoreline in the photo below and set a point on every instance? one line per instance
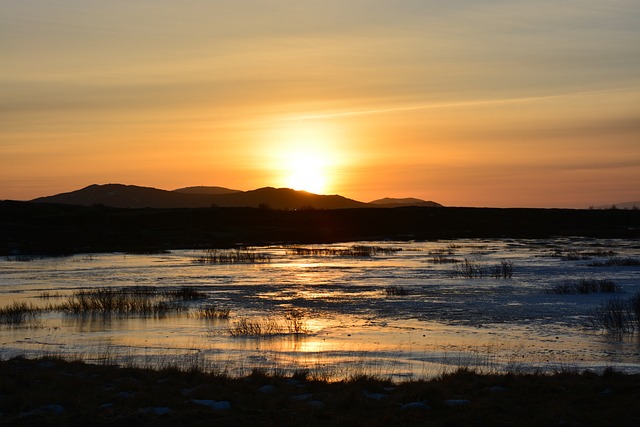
(49, 391)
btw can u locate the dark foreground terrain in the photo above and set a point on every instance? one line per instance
(49, 229)
(54, 392)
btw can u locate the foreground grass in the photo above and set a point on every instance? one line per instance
(56, 392)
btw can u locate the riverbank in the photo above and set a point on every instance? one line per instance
(51, 391)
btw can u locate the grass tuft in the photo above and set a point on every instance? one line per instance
(293, 324)
(212, 312)
(584, 286)
(233, 256)
(617, 262)
(18, 313)
(352, 251)
(120, 301)
(396, 291)
(471, 270)
(617, 315)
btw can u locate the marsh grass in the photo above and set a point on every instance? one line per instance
(395, 290)
(443, 259)
(211, 311)
(18, 313)
(293, 323)
(127, 301)
(617, 315)
(50, 295)
(231, 256)
(470, 270)
(617, 262)
(582, 255)
(19, 258)
(583, 286)
(352, 251)
(245, 327)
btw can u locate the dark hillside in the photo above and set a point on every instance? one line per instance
(37, 228)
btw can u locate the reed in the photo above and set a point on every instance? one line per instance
(18, 313)
(352, 251)
(294, 324)
(617, 262)
(584, 286)
(470, 270)
(136, 301)
(394, 290)
(233, 256)
(617, 315)
(442, 259)
(212, 311)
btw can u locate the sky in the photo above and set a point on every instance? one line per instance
(503, 103)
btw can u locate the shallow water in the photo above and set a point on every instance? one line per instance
(352, 324)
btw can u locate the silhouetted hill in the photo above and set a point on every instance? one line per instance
(205, 190)
(132, 196)
(409, 201)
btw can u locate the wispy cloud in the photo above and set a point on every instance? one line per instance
(456, 104)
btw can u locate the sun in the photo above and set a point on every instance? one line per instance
(305, 156)
(306, 171)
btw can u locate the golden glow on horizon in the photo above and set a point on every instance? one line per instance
(460, 105)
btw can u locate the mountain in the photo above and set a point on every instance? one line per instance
(205, 190)
(410, 201)
(131, 196)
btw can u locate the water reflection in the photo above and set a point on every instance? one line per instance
(350, 319)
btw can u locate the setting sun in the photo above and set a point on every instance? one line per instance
(305, 155)
(306, 171)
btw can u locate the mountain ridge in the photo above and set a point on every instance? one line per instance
(133, 196)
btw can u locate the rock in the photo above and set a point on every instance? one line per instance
(52, 409)
(44, 410)
(222, 405)
(316, 404)
(374, 396)
(46, 364)
(305, 396)
(414, 405)
(457, 402)
(266, 389)
(158, 410)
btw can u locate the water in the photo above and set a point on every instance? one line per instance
(353, 324)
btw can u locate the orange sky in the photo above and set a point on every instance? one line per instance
(494, 103)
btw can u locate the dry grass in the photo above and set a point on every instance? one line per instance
(470, 270)
(293, 323)
(584, 286)
(617, 262)
(18, 313)
(617, 315)
(128, 301)
(352, 251)
(396, 291)
(211, 311)
(232, 256)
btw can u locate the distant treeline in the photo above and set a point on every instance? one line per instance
(46, 229)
